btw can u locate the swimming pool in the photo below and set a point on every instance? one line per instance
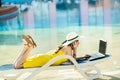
(47, 14)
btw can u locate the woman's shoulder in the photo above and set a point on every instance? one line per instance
(65, 49)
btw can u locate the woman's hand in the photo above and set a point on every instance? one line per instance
(75, 44)
(87, 56)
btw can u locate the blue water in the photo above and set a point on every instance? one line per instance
(63, 14)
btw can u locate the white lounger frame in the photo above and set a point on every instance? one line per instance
(82, 68)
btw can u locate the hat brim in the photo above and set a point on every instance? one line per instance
(69, 42)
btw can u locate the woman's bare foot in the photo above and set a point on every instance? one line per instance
(26, 41)
(31, 39)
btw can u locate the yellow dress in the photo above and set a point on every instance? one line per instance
(40, 60)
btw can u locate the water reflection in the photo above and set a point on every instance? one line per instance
(44, 14)
(115, 11)
(9, 39)
(28, 19)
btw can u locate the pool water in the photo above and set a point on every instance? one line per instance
(60, 13)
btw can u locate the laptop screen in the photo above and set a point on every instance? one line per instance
(102, 46)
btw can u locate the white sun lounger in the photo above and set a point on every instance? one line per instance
(82, 68)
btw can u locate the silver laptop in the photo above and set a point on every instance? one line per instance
(102, 51)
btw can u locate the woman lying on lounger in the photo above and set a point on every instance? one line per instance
(68, 47)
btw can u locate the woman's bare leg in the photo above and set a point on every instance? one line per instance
(24, 49)
(21, 59)
(22, 52)
(28, 47)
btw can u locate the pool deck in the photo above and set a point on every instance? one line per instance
(70, 74)
(73, 75)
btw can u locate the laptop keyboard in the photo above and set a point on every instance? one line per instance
(96, 55)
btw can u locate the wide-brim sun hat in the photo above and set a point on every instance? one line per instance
(71, 37)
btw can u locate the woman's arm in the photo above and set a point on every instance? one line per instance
(86, 56)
